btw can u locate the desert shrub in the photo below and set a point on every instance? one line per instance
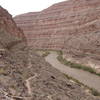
(46, 53)
(95, 92)
(2, 71)
(76, 65)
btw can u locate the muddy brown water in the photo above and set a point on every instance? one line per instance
(91, 80)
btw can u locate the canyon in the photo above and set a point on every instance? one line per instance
(24, 75)
(72, 26)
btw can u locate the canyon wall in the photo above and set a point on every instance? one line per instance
(12, 38)
(26, 76)
(7, 23)
(10, 34)
(72, 26)
(13, 57)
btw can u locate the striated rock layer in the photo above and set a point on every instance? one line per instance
(72, 26)
(26, 76)
(7, 23)
(13, 57)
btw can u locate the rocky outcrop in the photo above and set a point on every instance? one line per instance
(8, 29)
(7, 23)
(13, 57)
(72, 26)
(26, 76)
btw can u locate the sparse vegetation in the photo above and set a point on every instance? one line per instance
(46, 53)
(95, 92)
(59, 52)
(76, 65)
(92, 90)
(2, 71)
(69, 63)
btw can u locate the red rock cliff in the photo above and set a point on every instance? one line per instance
(7, 23)
(73, 26)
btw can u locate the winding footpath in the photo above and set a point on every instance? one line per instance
(91, 80)
(28, 84)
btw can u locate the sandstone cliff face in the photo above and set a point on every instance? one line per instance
(32, 80)
(9, 31)
(72, 26)
(7, 23)
(13, 57)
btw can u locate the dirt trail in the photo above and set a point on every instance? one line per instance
(13, 97)
(86, 78)
(28, 84)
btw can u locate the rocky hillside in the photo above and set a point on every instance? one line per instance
(7, 23)
(72, 26)
(26, 76)
(13, 57)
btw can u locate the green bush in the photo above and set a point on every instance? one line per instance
(95, 92)
(2, 71)
(76, 65)
(92, 90)
(46, 53)
(59, 52)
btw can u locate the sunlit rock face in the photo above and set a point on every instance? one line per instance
(26, 76)
(55, 26)
(72, 26)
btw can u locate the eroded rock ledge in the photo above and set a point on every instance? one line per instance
(72, 26)
(26, 76)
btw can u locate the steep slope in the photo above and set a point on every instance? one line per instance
(13, 57)
(72, 26)
(26, 76)
(7, 23)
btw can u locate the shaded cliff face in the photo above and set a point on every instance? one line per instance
(7, 23)
(10, 34)
(13, 56)
(32, 80)
(73, 26)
